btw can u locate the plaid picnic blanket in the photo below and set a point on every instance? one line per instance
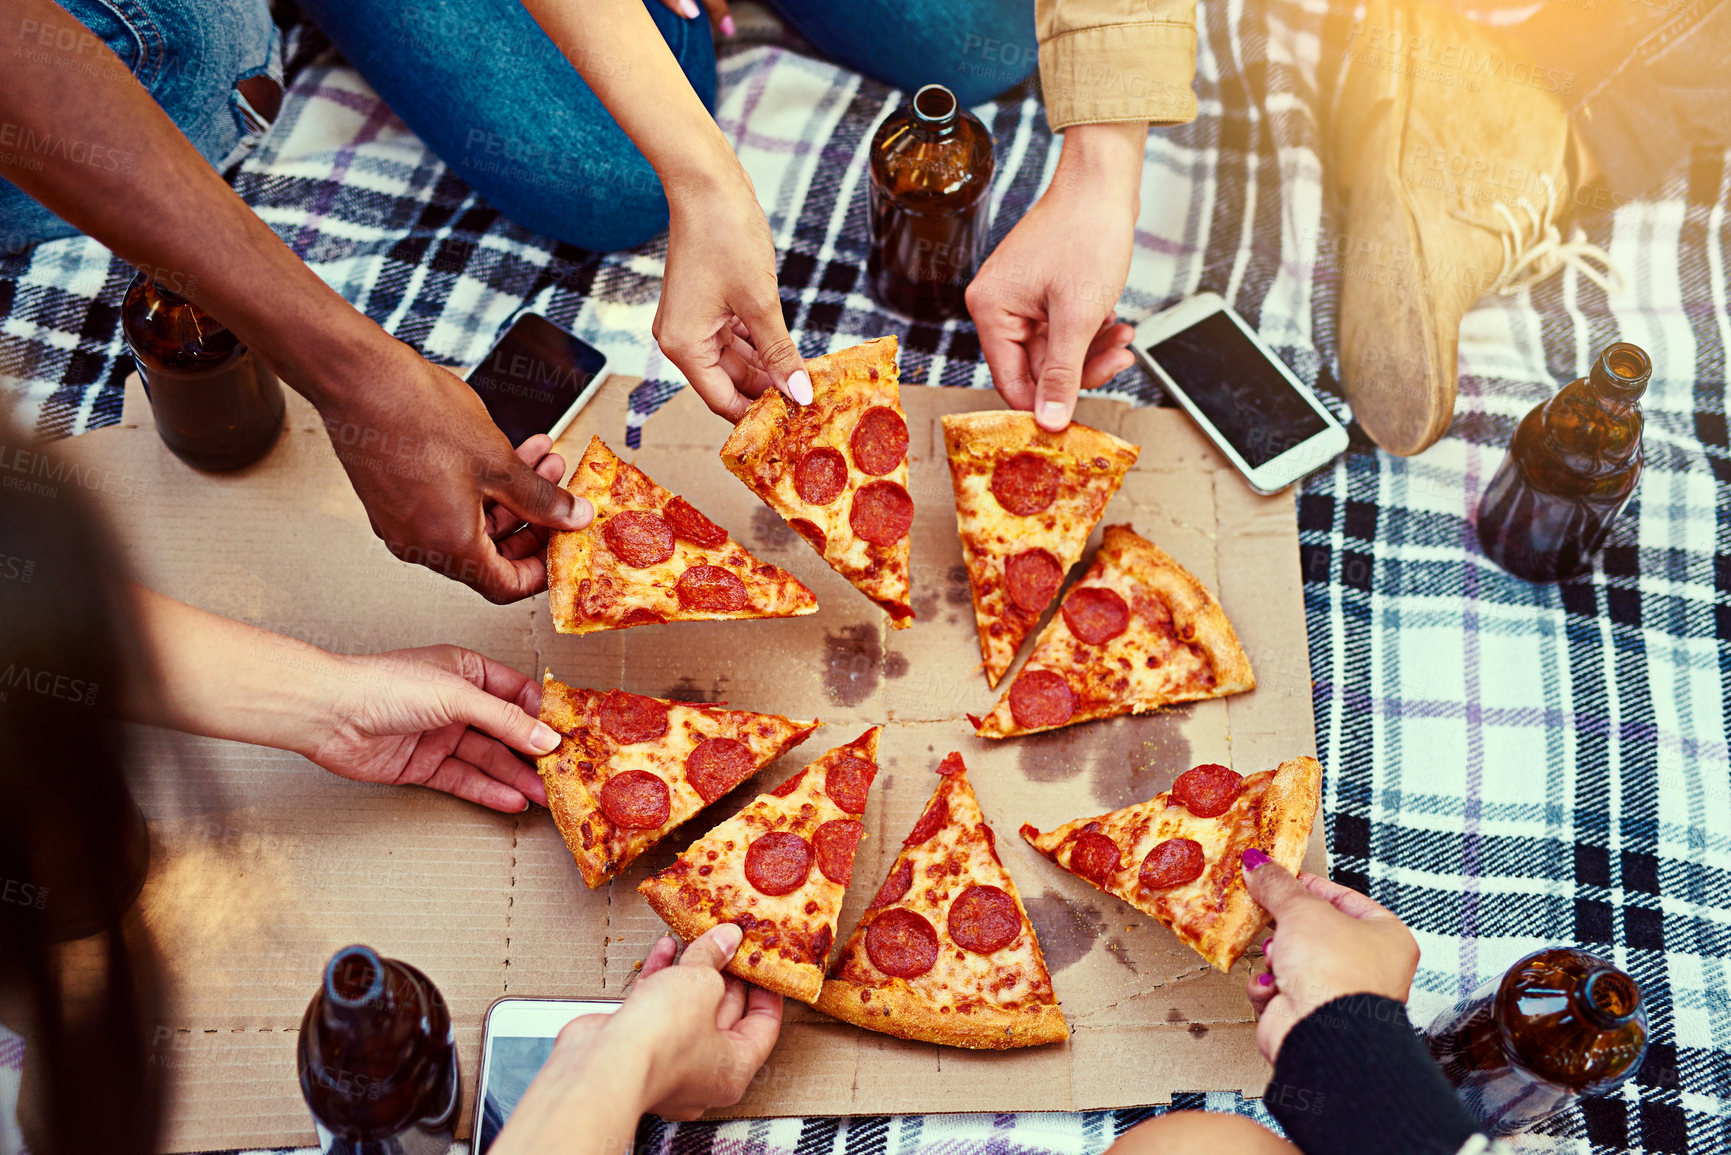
(1508, 765)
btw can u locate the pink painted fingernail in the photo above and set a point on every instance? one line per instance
(688, 8)
(727, 25)
(1264, 979)
(799, 386)
(1254, 858)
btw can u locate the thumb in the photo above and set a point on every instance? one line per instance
(506, 721)
(776, 350)
(541, 502)
(714, 947)
(1069, 334)
(1273, 886)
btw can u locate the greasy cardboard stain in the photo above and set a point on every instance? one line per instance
(686, 689)
(855, 663)
(1068, 930)
(769, 531)
(1127, 759)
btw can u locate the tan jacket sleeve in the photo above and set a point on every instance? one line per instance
(1117, 60)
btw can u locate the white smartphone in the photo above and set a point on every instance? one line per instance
(515, 1042)
(1264, 419)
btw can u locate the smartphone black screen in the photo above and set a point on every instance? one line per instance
(1236, 387)
(533, 376)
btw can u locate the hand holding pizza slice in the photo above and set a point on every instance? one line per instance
(1178, 856)
(779, 869)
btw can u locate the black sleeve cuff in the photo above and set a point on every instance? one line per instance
(1353, 1076)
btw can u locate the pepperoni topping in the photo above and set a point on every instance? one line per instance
(1095, 615)
(690, 525)
(636, 800)
(711, 589)
(629, 718)
(848, 780)
(880, 441)
(1172, 863)
(1025, 483)
(835, 842)
(937, 813)
(639, 616)
(717, 765)
(1031, 578)
(881, 513)
(1041, 698)
(789, 786)
(894, 887)
(1094, 857)
(820, 476)
(1208, 790)
(778, 863)
(809, 530)
(984, 919)
(638, 538)
(901, 943)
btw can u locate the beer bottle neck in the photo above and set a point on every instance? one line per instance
(934, 113)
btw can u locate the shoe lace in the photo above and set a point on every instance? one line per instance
(1531, 254)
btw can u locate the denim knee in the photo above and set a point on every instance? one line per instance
(976, 48)
(604, 202)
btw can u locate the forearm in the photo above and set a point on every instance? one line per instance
(93, 146)
(224, 679)
(586, 1100)
(1103, 160)
(621, 55)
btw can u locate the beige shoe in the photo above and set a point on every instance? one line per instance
(1455, 163)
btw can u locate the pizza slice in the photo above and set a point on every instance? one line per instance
(779, 869)
(652, 557)
(1026, 501)
(837, 469)
(1177, 856)
(945, 953)
(1135, 633)
(629, 768)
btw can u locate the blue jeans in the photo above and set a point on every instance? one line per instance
(488, 92)
(188, 54)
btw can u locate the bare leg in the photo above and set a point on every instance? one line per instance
(1200, 1133)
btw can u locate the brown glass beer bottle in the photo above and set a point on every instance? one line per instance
(1559, 1025)
(378, 1059)
(1571, 469)
(216, 404)
(931, 168)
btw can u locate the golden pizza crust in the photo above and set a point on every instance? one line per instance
(1093, 464)
(707, 885)
(588, 589)
(600, 849)
(1116, 678)
(1287, 812)
(895, 1009)
(845, 384)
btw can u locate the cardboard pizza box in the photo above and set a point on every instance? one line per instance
(263, 864)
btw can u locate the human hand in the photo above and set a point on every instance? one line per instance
(1329, 941)
(707, 1033)
(437, 716)
(719, 320)
(442, 486)
(1044, 302)
(685, 1039)
(720, 19)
